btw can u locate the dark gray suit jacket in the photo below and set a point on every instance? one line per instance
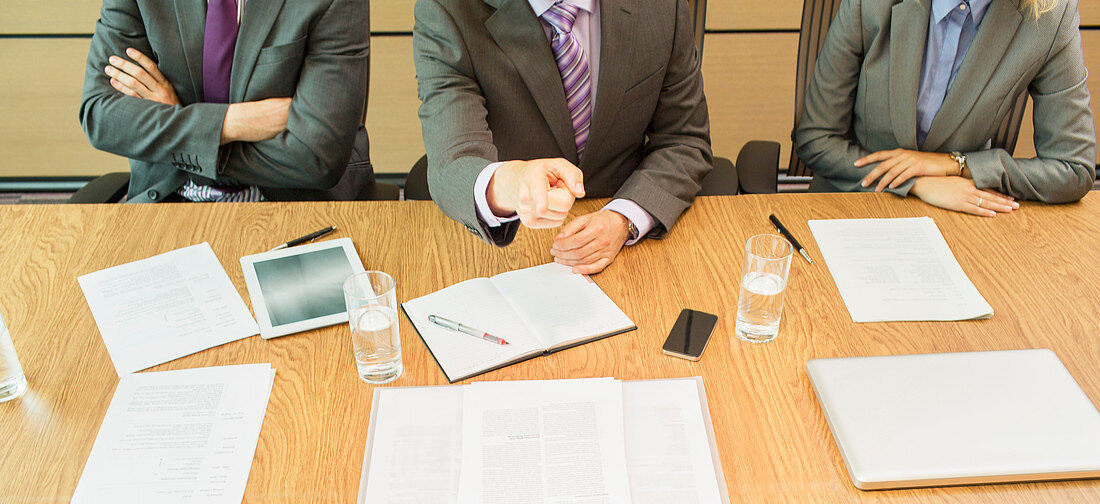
(315, 51)
(867, 77)
(491, 91)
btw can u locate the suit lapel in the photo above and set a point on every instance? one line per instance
(908, 35)
(995, 34)
(616, 49)
(191, 15)
(519, 34)
(256, 22)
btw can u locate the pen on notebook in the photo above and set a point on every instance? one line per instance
(307, 238)
(790, 238)
(455, 326)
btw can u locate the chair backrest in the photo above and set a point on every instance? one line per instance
(817, 15)
(698, 11)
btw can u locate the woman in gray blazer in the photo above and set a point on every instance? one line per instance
(907, 95)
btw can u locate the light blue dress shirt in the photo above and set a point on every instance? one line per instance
(950, 32)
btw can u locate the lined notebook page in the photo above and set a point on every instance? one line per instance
(559, 306)
(475, 303)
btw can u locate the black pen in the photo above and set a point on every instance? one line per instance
(307, 238)
(790, 238)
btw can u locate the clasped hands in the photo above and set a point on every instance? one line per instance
(252, 121)
(541, 192)
(939, 181)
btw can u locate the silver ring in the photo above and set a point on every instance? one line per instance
(980, 200)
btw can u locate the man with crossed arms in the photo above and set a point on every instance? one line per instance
(232, 100)
(530, 104)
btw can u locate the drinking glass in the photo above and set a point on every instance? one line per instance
(12, 382)
(763, 282)
(371, 299)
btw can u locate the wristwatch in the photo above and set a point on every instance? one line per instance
(960, 158)
(631, 229)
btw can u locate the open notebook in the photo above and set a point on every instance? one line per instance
(537, 310)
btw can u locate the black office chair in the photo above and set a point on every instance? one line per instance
(112, 187)
(758, 162)
(722, 179)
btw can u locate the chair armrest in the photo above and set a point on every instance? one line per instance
(109, 188)
(758, 167)
(722, 179)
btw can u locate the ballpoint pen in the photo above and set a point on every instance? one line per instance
(307, 238)
(455, 326)
(790, 238)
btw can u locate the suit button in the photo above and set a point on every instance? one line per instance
(152, 194)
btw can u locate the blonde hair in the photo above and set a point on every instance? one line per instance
(1037, 7)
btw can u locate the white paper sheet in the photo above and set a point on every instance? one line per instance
(897, 270)
(165, 307)
(554, 442)
(178, 437)
(416, 449)
(667, 443)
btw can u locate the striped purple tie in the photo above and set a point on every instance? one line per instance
(218, 43)
(573, 65)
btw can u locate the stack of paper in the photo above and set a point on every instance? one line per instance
(178, 436)
(165, 307)
(562, 441)
(897, 270)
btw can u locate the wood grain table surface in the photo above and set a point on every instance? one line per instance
(1039, 267)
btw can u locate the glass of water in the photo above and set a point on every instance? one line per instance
(371, 298)
(763, 281)
(12, 382)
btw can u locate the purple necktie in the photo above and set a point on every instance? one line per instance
(217, 49)
(573, 65)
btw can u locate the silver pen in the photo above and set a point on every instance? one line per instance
(455, 326)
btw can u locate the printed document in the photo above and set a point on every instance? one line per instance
(555, 442)
(562, 441)
(668, 452)
(897, 270)
(165, 307)
(178, 437)
(417, 455)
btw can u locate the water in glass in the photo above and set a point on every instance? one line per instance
(12, 382)
(374, 336)
(760, 306)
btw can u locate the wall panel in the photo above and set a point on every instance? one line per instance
(749, 80)
(79, 16)
(39, 131)
(754, 14)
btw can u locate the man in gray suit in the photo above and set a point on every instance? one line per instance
(529, 104)
(246, 99)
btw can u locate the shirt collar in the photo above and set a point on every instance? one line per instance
(541, 6)
(941, 8)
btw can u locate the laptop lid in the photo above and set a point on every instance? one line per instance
(957, 418)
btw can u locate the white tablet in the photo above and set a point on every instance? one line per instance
(300, 288)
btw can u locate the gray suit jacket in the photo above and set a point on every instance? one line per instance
(491, 91)
(316, 52)
(866, 83)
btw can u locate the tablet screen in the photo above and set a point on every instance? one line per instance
(303, 287)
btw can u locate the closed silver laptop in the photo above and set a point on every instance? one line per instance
(957, 418)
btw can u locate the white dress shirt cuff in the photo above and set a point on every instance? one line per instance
(634, 213)
(481, 199)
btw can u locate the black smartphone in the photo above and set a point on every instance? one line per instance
(690, 334)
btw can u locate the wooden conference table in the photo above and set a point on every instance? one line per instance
(1038, 267)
